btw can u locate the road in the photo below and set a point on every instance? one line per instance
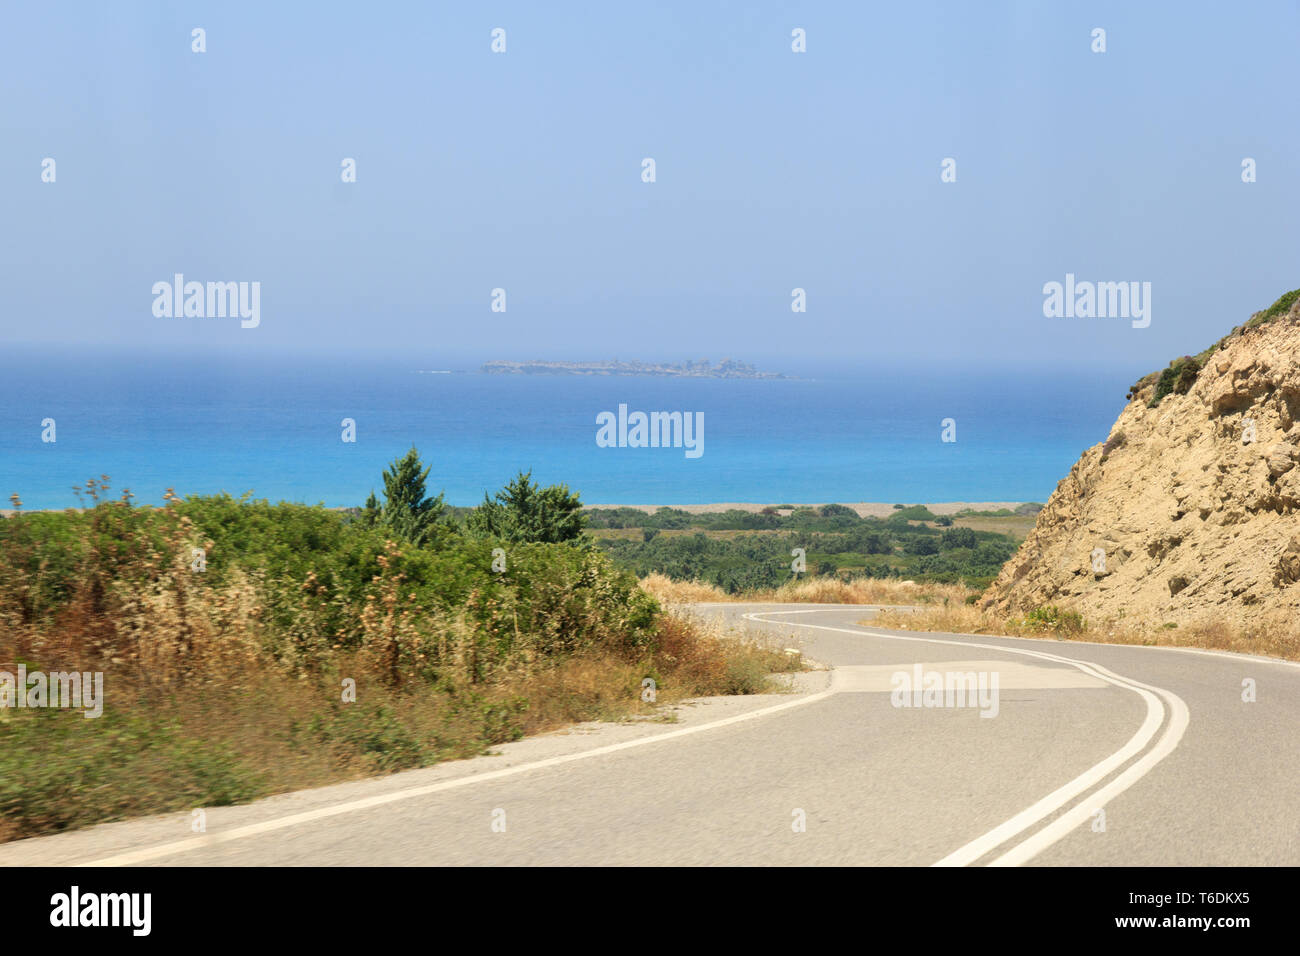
(1094, 755)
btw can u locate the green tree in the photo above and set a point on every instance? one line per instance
(921, 545)
(831, 511)
(958, 538)
(523, 511)
(407, 510)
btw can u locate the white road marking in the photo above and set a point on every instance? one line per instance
(1018, 854)
(1011, 675)
(1080, 813)
(1058, 798)
(132, 857)
(1230, 655)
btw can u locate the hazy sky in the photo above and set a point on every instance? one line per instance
(774, 170)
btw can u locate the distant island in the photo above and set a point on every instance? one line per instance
(727, 368)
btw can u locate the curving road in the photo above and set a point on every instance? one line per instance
(1089, 755)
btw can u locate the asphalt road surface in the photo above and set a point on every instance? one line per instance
(1086, 755)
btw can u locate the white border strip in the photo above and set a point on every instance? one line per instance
(1204, 652)
(965, 855)
(1026, 850)
(1077, 815)
(321, 813)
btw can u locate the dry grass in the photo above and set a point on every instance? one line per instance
(817, 590)
(251, 731)
(222, 690)
(1279, 637)
(830, 590)
(667, 591)
(1018, 526)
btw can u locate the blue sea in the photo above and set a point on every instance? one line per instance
(273, 426)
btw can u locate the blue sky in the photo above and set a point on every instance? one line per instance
(775, 170)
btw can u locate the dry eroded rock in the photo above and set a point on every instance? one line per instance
(1197, 506)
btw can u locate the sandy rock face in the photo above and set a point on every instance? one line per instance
(1281, 459)
(1190, 510)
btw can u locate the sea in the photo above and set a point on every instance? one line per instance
(275, 426)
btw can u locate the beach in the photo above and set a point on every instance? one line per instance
(864, 509)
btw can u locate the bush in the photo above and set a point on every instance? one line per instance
(522, 511)
(1053, 618)
(913, 513)
(1181, 373)
(835, 545)
(225, 683)
(958, 538)
(1280, 307)
(1177, 378)
(831, 511)
(1115, 441)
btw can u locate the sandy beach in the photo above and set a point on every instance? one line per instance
(865, 509)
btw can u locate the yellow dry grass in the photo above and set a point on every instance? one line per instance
(1278, 637)
(817, 590)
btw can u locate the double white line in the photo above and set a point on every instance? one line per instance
(1156, 699)
(967, 854)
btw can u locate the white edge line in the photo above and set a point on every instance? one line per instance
(1204, 652)
(266, 826)
(1077, 815)
(1049, 804)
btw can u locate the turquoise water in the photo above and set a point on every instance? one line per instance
(273, 426)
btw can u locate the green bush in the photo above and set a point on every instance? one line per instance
(840, 544)
(59, 770)
(1177, 378)
(831, 511)
(747, 675)
(1181, 374)
(913, 513)
(522, 511)
(958, 538)
(1280, 307)
(1053, 618)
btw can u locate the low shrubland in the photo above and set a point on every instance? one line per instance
(249, 648)
(744, 554)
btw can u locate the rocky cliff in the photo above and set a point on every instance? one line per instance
(1189, 510)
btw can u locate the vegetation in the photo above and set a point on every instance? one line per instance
(1279, 637)
(1178, 378)
(407, 512)
(249, 648)
(1028, 508)
(1053, 618)
(1181, 373)
(741, 552)
(1280, 307)
(816, 590)
(521, 511)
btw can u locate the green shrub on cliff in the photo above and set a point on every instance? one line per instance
(1181, 373)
